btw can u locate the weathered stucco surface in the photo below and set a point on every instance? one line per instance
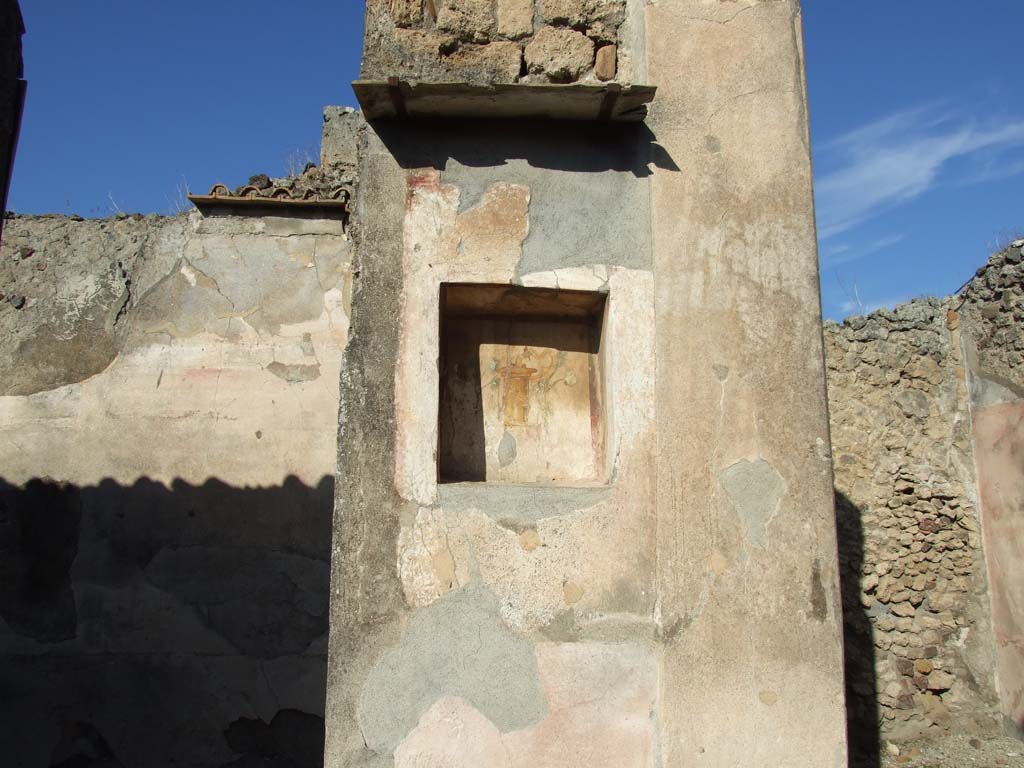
(747, 576)
(166, 481)
(482, 568)
(172, 342)
(699, 568)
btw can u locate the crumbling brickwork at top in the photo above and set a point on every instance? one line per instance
(993, 303)
(496, 41)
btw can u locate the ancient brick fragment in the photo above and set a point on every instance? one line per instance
(604, 68)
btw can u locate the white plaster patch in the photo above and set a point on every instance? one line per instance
(629, 360)
(439, 244)
(425, 564)
(189, 409)
(427, 234)
(593, 278)
(189, 273)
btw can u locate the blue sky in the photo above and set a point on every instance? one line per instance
(917, 119)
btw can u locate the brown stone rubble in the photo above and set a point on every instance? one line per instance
(507, 41)
(994, 302)
(918, 636)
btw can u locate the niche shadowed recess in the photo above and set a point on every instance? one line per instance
(522, 389)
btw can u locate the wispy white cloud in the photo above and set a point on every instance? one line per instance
(898, 158)
(836, 254)
(1002, 168)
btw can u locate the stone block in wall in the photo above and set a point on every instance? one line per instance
(408, 53)
(429, 56)
(605, 64)
(498, 62)
(563, 55)
(599, 19)
(340, 136)
(466, 19)
(406, 13)
(515, 18)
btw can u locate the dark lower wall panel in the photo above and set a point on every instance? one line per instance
(154, 625)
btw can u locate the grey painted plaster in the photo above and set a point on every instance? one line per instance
(459, 646)
(755, 489)
(520, 503)
(577, 218)
(589, 196)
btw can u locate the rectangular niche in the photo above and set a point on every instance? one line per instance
(522, 394)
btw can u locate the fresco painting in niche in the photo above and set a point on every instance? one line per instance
(521, 392)
(541, 413)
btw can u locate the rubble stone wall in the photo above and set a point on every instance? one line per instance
(908, 519)
(903, 389)
(501, 41)
(993, 318)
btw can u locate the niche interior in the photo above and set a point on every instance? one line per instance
(522, 385)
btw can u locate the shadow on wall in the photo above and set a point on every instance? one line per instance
(154, 625)
(148, 625)
(573, 146)
(862, 713)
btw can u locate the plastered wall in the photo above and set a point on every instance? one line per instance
(698, 584)
(168, 399)
(746, 547)
(485, 621)
(138, 570)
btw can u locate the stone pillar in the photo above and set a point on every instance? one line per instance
(747, 571)
(584, 491)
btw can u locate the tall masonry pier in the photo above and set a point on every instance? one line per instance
(584, 493)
